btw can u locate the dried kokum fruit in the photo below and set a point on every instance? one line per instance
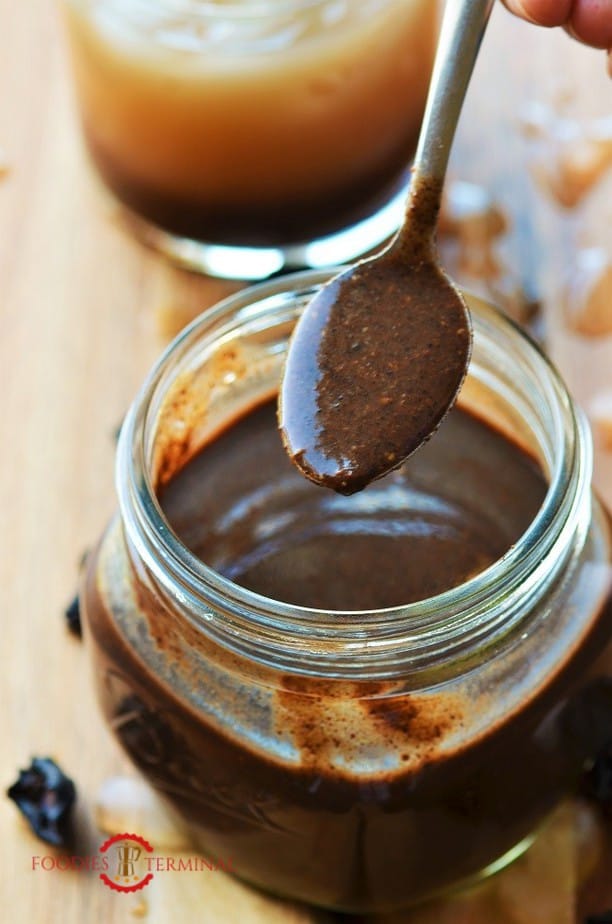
(45, 796)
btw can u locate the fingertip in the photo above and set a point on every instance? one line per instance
(542, 12)
(591, 22)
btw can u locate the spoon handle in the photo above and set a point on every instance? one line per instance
(463, 27)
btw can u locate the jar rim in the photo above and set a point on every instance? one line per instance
(448, 621)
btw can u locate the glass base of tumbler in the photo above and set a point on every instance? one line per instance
(496, 866)
(256, 263)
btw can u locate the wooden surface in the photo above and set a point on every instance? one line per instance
(80, 306)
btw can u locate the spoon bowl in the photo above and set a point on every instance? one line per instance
(365, 388)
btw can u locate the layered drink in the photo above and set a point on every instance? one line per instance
(250, 122)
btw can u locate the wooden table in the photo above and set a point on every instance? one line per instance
(80, 304)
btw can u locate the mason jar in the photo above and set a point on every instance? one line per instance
(245, 136)
(367, 758)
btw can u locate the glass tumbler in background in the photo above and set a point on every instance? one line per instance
(250, 136)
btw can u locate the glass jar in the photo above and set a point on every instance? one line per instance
(356, 760)
(252, 135)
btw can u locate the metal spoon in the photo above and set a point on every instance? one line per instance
(380, 353)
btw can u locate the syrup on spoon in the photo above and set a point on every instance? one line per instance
(380, 353)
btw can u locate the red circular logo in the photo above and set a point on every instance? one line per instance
(127, 867)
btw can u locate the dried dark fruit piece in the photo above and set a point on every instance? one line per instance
(45, 795)
(598, 781)
(73, 617)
